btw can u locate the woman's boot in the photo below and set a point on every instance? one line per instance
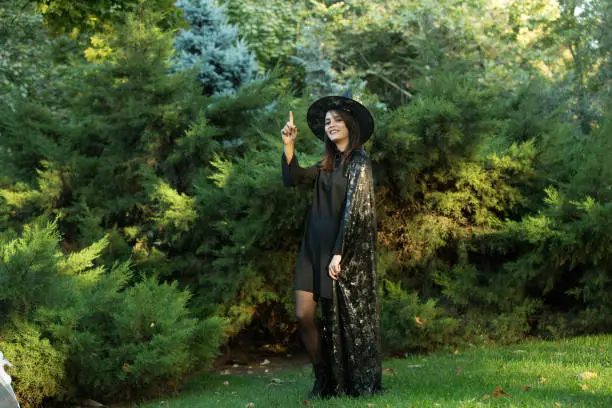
(320, 388)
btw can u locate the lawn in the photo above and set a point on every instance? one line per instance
(569, 373)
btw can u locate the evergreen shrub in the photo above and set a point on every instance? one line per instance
(38, 366)
(137, 339)
(72, 327)
(211, 46)
(408, 324)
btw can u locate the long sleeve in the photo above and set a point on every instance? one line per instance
(293, 174)
(358, 204)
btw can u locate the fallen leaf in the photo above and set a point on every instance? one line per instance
(542, 380)
(250, 405)
(499, 392)
(419, 322)
(306, 402)
(587, 375)
(526, 387)
(388, 371)
(557, 404)
(459, 370)
(486, 396)
(370, 405)
(456, 351)
(584, 387)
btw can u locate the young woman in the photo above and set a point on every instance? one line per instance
(336, 265)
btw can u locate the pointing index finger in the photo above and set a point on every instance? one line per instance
(291, 117)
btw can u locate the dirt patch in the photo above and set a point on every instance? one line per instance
(258, 363)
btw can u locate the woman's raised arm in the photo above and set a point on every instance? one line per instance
(293, 174)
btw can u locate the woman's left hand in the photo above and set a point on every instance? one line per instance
(334, 267)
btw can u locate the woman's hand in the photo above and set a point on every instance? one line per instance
(334, 267)
(289, 132)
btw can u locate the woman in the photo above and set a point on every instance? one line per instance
(337, 260)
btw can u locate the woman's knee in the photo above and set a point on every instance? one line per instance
(304, 317)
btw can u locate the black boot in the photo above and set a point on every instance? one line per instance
(320, 389)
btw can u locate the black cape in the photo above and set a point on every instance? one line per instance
(350, 330)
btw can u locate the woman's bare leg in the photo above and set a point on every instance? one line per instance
(305, 312)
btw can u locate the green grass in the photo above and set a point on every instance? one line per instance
(533, 374)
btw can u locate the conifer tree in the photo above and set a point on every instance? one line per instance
(319, 75)
(211, 45)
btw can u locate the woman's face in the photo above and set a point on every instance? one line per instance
(335, 128)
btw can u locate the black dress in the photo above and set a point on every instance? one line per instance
(344, 207)
(321, 240)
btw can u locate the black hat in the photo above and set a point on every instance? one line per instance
(319, 108)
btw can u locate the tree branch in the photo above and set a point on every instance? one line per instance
(19, 13)
(384, 78)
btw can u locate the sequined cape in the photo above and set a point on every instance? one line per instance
(350, 331)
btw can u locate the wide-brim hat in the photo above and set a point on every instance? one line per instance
(319, 108)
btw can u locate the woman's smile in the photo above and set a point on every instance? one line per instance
(335, 128)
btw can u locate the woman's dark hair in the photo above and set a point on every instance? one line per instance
(327, 164)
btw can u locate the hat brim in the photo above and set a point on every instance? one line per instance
(319, 108)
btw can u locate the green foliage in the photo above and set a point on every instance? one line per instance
(391, 43)
(580, 29)
(29, 271)
(133, 172)
(107, 337)
(552, 261)
(269, 27)
(66, 16)
(491, 158)
(211, 47)
(407, 324)
(27, 64)
(133, 340)
(319, 75)
(176, 210)
(422, 144)
(249, 207)
(444, 179)
(38, 366)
